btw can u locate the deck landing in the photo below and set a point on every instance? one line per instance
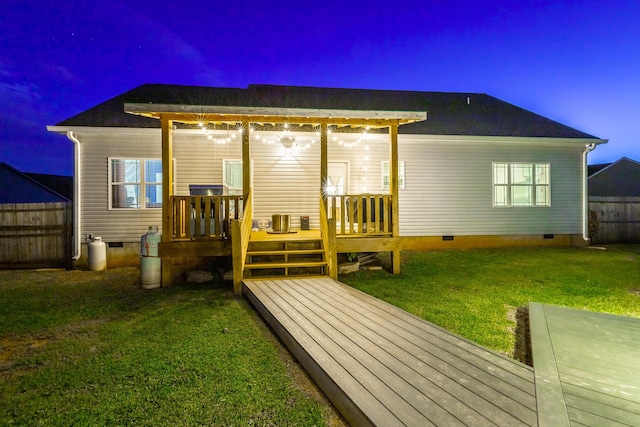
(586, 367)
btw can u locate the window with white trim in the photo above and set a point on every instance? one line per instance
(386, 175)
(232, 175)
(521, 184)
(135, 183)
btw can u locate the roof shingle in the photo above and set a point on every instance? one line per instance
(448, 113)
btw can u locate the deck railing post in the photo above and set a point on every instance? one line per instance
(236, 255)
(333, 254)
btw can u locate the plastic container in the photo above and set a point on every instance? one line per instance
(97, 254)
(150, 262)
(304, 222)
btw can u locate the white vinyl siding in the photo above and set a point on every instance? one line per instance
(117, 225)
(451, 191)
(286, 184)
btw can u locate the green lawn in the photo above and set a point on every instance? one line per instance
(474, 293)
(83, 348)
(86, 348)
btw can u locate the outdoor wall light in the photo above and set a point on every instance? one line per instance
(288, 144)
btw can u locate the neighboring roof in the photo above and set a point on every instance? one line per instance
(17, 187)
(61, 184)
(468, 114)
(618, 179)
(591, 169)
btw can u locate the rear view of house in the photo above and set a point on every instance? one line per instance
(366, 170)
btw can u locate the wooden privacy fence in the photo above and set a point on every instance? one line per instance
(614, 219)
(35, 235)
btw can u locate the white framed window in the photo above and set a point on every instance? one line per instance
(521, 184)
(386, 175)
(135, 183)
(232, 175)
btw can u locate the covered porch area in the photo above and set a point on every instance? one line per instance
(222, 225)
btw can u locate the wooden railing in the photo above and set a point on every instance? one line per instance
(204, 217)
(361, 214)
(241, 232)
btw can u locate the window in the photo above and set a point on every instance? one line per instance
(232, 175)
(135, 183)
(386, 175)
(521, 184)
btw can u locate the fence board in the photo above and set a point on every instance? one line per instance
(618, 219)
(35, 235)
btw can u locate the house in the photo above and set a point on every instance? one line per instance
(35, 220)
(18, 187)
(373, 170)
(614, 202)
(618, 179)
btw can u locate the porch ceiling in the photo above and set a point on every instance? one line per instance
(193, 114)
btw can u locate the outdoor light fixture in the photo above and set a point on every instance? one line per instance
(288, 143)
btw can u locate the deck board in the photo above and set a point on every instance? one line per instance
(592, 358)
(382, 366)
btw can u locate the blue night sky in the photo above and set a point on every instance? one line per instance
(577, 62)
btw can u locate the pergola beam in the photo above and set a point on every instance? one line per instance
(314, 116)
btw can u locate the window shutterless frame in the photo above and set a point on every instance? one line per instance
(521, 184)
(386, 175)
(135, 183)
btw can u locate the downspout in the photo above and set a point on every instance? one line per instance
(76, 195)
(585, 191)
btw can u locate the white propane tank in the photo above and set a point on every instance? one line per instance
(150, 262)
(97, 254)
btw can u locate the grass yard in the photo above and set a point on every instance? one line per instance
(87, 348)
(474, 293)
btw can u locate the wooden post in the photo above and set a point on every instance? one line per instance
(324, 162)
(394, 187)
(236, 259)
(333, 255)
(167, 192)
(246, 159)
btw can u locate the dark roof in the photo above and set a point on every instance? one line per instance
(591, 169)
(17, 187)
(470, 114)
(61, 184)
(618, 179)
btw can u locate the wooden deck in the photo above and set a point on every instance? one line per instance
(587, 367)
(382, 366)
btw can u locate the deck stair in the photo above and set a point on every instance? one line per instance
(288, 256)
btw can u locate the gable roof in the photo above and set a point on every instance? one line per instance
(591, 169)
(61, 184)
(618, 179)
(17, 187)
(448, 113)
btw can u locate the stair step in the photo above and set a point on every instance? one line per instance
(269, 265)
(287, 252)
(290, 276)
